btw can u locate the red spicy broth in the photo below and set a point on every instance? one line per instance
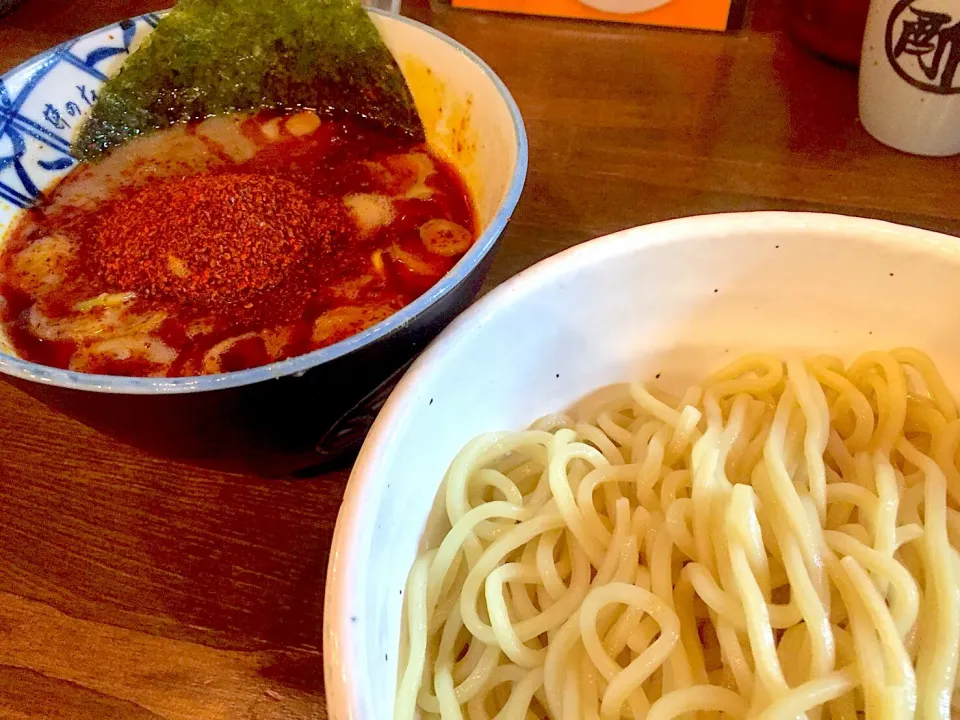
(229, 244)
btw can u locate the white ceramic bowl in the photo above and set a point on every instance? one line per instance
(677, 298)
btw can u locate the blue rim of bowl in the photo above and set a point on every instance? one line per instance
(300, 364)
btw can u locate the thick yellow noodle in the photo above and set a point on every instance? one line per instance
(781, 542)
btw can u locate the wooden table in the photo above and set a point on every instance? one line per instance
(135, 587)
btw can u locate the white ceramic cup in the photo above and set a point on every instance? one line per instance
(910, 75)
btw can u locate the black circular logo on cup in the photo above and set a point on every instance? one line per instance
(923, 45)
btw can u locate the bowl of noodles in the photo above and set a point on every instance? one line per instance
(705, 466)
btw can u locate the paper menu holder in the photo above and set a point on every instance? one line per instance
(716, 15)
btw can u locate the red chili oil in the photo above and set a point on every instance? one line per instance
(248, 247)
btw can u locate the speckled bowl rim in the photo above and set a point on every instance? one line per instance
(302, 363)
(344, 649)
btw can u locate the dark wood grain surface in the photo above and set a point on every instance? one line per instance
(135, 587)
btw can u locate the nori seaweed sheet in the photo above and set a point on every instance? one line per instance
(211, 57)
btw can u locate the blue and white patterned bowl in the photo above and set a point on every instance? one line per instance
(43, 101)
(469, 116)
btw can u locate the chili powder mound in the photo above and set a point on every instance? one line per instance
(212, 240)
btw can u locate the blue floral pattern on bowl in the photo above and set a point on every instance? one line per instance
(43, 102)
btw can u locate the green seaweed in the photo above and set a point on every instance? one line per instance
(211, 57)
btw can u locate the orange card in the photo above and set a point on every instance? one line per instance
(695, 14)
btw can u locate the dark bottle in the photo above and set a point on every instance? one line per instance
(832, 29)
